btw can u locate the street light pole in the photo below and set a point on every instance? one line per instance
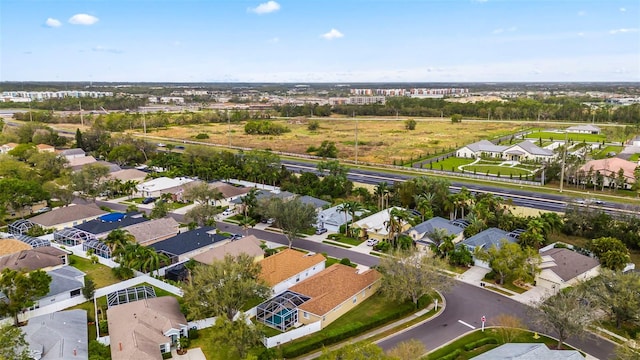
(354, 115)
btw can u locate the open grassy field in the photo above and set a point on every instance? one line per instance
(447, 164)
(547, 135)
(495, 169)
(379, 141)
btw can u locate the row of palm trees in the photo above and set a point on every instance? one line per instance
(130, 254)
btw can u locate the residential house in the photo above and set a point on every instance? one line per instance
(528, 351)
(12, 246)
(584, 129)
(145, 329)
(7, 147)
(102, 226)
(421, 233)
(152, 231)
(60, 335)
(43, 258)
(317, 204)
(67, 216)
(128, 175)
(45, 148)
(564, 267)
(229, 192)
(66, 282)
(249, 245)
(485, 240)
(162, 185)
(190, 243)
(288, 267)
(332, 218)
(72, 153)
(608, 169)
(333, 292)
(78, 162)
(482, 148)
(527, 151)
(375, 225)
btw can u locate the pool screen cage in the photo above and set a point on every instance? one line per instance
(125, 296)
(97, 247)
(33, 241)
(281, 312)
(20, 227)
(72, 236)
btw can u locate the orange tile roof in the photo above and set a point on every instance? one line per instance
(612, 165)
(285, 264)
(333, 286)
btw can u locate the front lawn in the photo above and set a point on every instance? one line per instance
(447, 164)
(603, 153)
(344, 239)
(101, 274)
(496, 169)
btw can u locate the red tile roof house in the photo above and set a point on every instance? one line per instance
(323, 297)
(289, 267)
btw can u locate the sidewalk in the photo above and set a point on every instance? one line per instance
(383, 329)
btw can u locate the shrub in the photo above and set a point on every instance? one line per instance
(202, 136)
(345, 261)
(476, 344)
(103, 325)
(452, 355)
(193, 334)
(313, 125)
(122, 273)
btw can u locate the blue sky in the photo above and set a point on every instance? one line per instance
(319, 40)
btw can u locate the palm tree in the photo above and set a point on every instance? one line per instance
(249, 201)
(346, 209)
(382, 191)
(246, 222)
(397, 219)
(424, 205)
(117, 241)
(354, 207)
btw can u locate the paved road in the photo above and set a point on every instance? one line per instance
(464, 302)
(469, 303)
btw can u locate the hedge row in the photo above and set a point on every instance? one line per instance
(331, 336)
(452, 355)
(476, 344)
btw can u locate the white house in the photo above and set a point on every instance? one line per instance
(331, 218)
(484, 240)
(66, 283)
(481, 148)
(288, 267)
(376, 224)
(421, 232)
(527, 150)
(584, 129)
(156, 187)
(561, 268)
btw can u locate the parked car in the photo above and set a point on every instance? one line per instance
(179, 147)
(227, 212)
(148, 200)
(320, 231)
(597, 201)
(236, 236)
(43, 210)
(372, 242)
(267, 221)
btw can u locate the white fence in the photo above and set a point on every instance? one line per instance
(137, 281)
(292, 334)
(48, 309)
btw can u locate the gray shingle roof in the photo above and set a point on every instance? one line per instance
(437, 222)
(64, 280)
(188, 241)
(534, 149)
(486, 146)
(59, 335)
(317, 203)
(70, 152)
(569, 264)
(67, 214)
(528, 351)
(488, 238)
(97, 226)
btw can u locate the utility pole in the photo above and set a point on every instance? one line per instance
(30, 115)
(81, 117)
(229, 128)
(564, 158)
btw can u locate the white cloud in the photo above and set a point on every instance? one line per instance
(274, 40)
(54, 23)
(83, 19)
(498, 31)
(333, 34)
(623, 30)
(101, 48)
(582, 13)
(623, 9)
(265, 8)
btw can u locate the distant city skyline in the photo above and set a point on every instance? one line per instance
(320, 41)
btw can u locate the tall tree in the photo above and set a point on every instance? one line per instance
(117, 241)
(89, 181)
(567, 313)
(412, 349)
(292, 216)
(355, 351)
(79, 142)
(408, 275)
(618, 295)
(203, 194)
(241, 334)
(509, 261)
(202, 214)
(612, 253)
(224, 287)
(21, 289)
(13, 346)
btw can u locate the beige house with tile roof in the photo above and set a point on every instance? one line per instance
(249, 245)
(45, 148)
(153, 231)
(334, 292)
(289, 267)
(67, 216)
(145, 329)
(12, 246)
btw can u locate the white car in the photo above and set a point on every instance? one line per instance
(372, 242)
(227, 212)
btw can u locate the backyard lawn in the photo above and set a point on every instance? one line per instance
(603, 153)
(100, 274)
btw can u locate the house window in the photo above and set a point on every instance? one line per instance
(324, 318)
(75, 293)
(355, 299)
(297, 277)
(305, 315)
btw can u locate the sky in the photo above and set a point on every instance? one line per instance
(320, 40)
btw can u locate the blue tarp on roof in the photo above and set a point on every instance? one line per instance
(115, 216)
